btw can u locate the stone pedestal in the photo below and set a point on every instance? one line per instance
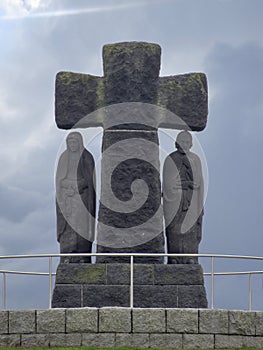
(155, 286)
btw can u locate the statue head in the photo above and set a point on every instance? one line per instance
(74, 142)
(184, 142)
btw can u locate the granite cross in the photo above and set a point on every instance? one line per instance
(131, 102)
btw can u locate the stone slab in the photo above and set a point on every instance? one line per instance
(3, 322)
(138, 340)
(259, 323)
(155, 296)
(34, 340)
(51, 321)
(192, 297)
(195, 341)
(23, 321)
(98, 340)
(170, 341)
(65, 296)
(148, 321)
(213, 321)
(242, 323)
(185, 274)
(81, 274)
(65, 339)
(82, 320)
(182, 321)
(115, 320)
(120, 274)
(100, 296)
(10, 340)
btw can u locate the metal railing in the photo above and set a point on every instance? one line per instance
(51, 274)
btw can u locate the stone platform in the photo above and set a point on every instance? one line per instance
(155, 286)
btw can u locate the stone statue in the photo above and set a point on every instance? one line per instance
(75, 199)
(183, 200)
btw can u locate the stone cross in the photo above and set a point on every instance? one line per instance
(131, 102)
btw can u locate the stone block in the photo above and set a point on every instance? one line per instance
(197, 341)
(81, 274)
(3, 322)
(182, 321)
(98, 340)
(115, 320)
(65, 339)
(100, 296)
(253, 342)
(228, 341)
(65, 296)
(155, 296)
(242, 323)
(22, 321)
(51, 321)
(213, 321)
(186, 274)
(10, 340)
(139, 340)
(120, 274)
(82, 320)
(34, 340)
(148, 320)
(170, 341)
(259, 323)
(192, 297)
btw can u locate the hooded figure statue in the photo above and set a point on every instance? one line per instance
(75, 199)
(183, 192)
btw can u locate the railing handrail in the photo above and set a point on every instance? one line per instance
(132, 256)
(200, 255)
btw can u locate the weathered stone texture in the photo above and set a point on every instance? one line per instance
(189, 296)
(81, 274)
(259, 323)
(213, 321)
(22, 321)
(184, 274)
(65, 339)
(34, 340)
(8, 340)
(139, 340)
(98, 340)
(149, 321)
(195, 341)
(101, 296)
(182, 321)
(51, 321)
(3, 322)
(82, 320)
(242, 323)
(66, 296)
(115, 320)
(170, 341)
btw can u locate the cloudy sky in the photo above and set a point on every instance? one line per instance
(222, 38)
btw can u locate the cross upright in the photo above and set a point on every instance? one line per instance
(136, 103)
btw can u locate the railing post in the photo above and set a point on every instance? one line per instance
(212, 282)
(249, 293)
(50, 282)
(4, 291)
(131, 284)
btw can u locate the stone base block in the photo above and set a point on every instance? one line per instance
(155, 286)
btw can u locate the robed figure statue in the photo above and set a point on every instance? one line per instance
(183, 192)
(75, 199)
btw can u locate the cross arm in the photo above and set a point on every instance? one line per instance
(186, 96)
(76, 96)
